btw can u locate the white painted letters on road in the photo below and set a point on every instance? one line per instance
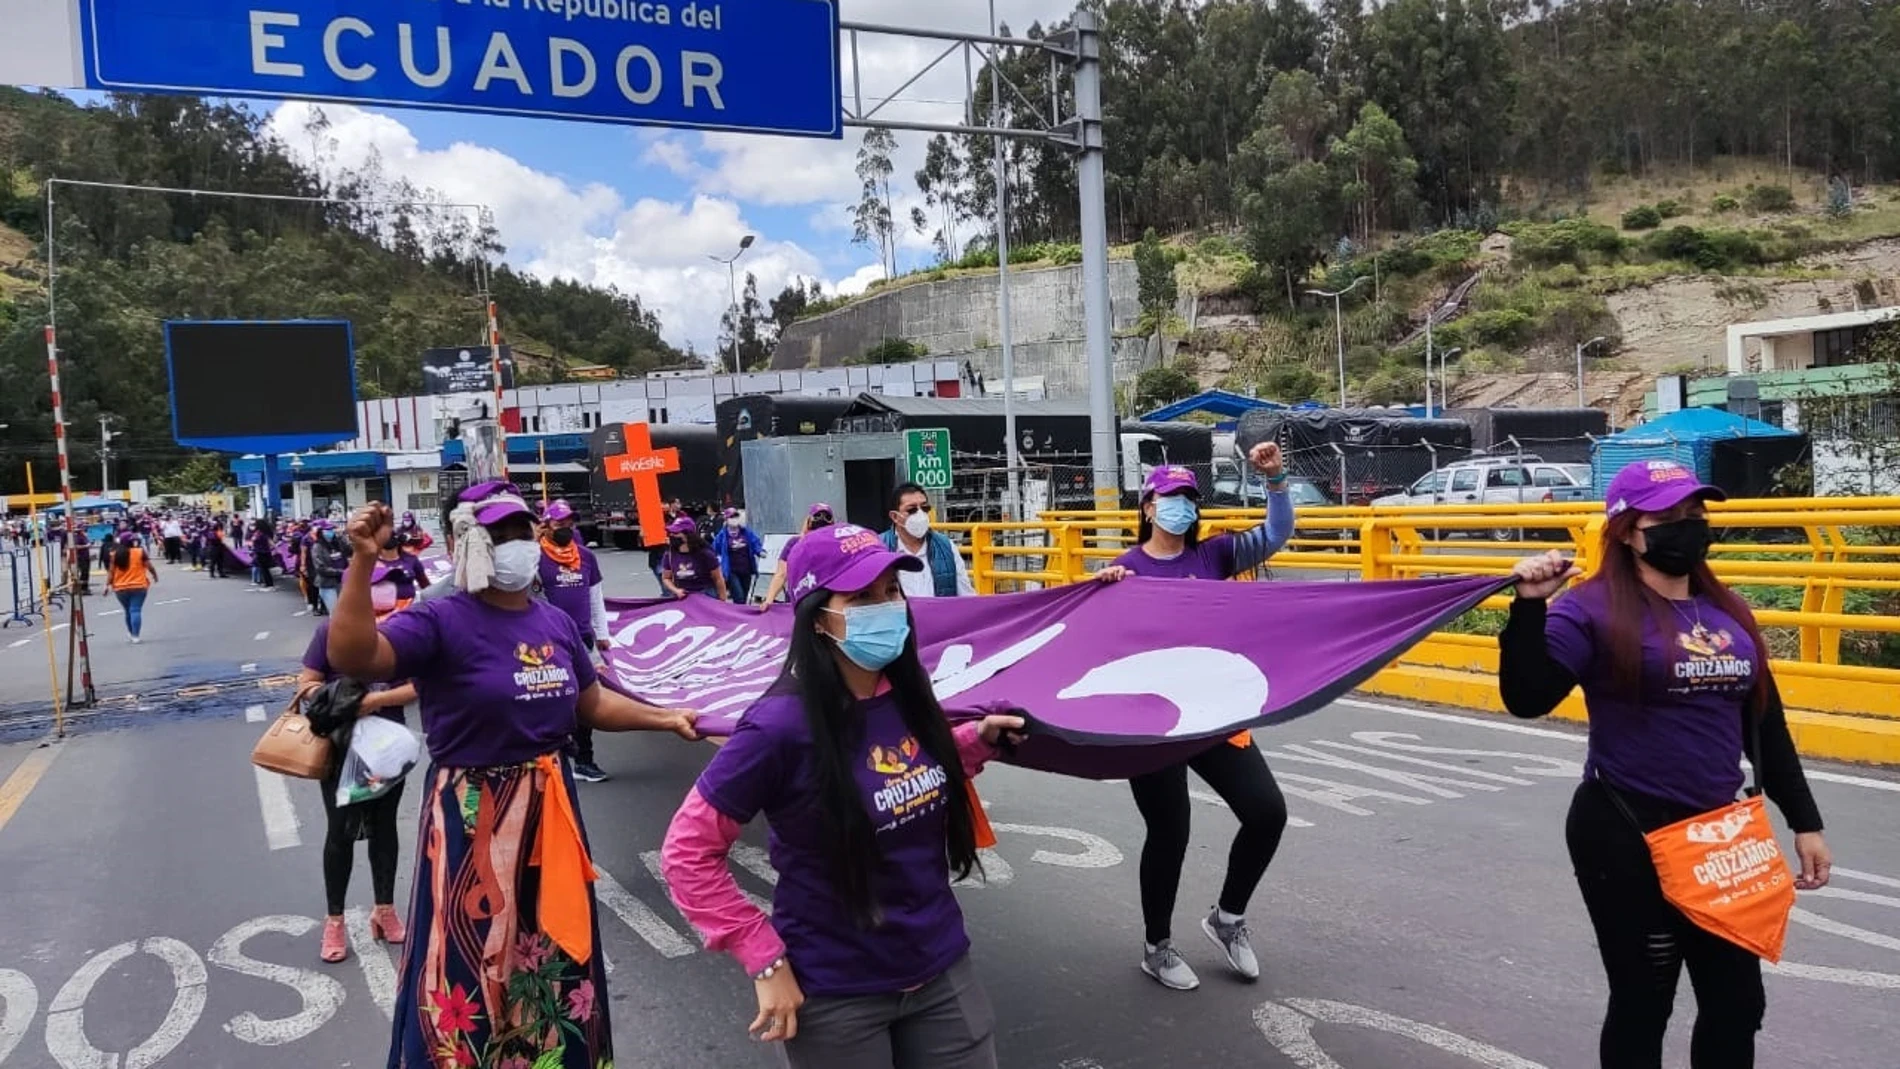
(19, 1001)
(1289, 1027)
(322, 996)
(66, 1016)
(1097, 852)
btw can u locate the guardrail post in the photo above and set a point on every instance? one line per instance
(983, 559)
(1375, 542)
(1072, 565)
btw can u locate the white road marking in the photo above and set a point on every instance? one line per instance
(1415, 781)
(112, 612)
(300, 614)
(17, 643)
(254, 714)
(1494, 777)
(756, 861)
(1828, 974)
(1579, 738)
(65, 1017)
(378, 973)
(1845, 931)
(1289, 1027)
(1848, 894)
(320, 995)
(994, 871)
(252, 667)
(280, 817)
(637, 915)
(260, 636)
(1097, 852)
(1210, 798)
(1867, 877)
(171, 601)
(21, 1001)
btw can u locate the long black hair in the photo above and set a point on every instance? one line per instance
(837, 744)
(1144, 527)
(122, 555)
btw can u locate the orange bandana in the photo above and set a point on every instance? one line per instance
(568, 556)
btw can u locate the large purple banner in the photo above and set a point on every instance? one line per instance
(1117, 679)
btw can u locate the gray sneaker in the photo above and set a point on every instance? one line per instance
(1165, 964)
(1233, 941)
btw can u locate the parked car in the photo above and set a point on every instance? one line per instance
(1497, 481)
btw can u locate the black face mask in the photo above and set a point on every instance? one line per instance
(1676, 548)
(563, 536)
(393, 542)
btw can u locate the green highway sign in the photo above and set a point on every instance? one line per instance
(929, 458)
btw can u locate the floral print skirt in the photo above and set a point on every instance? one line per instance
(481, 985)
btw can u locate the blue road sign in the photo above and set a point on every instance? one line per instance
(762, 66)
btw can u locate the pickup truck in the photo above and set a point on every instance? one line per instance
(1497, 481)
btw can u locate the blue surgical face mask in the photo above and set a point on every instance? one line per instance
(874, 635)
(1176, 514)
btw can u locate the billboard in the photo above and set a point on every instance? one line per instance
(468, 369)
(261, 387)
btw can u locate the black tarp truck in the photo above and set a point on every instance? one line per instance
(696, 484)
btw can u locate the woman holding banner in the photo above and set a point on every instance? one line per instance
(1677, 688)
(1171, 548)
(864, 962)
(502, 965)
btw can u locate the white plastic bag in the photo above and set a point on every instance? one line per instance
(381, 753)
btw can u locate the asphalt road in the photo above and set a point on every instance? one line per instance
(161, 903)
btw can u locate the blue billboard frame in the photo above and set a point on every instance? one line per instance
(586, 60)
(266, 444)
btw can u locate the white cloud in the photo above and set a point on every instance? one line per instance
(859, 280)
(655, 249)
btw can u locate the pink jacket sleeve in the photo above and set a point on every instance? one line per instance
(694, 861)
(971, 748)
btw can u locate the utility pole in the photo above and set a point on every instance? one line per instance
(1339, 330)
(105, 456)
(732, 291)
(1013, 508)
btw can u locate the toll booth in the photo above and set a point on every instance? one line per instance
(853, 473)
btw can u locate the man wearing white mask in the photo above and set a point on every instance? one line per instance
(944, 574)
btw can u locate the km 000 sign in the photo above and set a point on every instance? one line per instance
(928, 455)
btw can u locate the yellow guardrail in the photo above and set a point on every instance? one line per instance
(1842, 556)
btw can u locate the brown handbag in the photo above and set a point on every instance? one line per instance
(291, 748)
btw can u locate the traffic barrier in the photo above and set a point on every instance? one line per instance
(1815, 569)
(26, 596)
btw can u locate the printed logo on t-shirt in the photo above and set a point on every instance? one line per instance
(685, 570)
(1709, 662)
(910, 789)
(539, 675)
(566, 578)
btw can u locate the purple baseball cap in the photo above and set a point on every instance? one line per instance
(1655, 486)
(844, 559)
(498, 505)
(818, 508)
(683, 525)
(1171, 479)
(558, 510)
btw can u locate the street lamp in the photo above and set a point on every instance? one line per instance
(1598, 340)
(1431, 318)
(105, 455)
(1444, 377)
(1339, 330)
(732, 287)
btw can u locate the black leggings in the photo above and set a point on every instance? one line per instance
(377, 821)
(1242, 779)
(1645, 942)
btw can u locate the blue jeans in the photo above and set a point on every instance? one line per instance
(327, 595)
(133, 601)
(740, 588)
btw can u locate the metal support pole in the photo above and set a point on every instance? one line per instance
(105, 457)
(1012, 506)
(501, 430)
(1339, 337)
(1429, 316)
(732, 294)
(1097, 316)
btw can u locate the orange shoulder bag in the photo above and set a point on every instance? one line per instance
(1723, 869)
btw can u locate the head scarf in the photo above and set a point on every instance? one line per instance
(474, 547)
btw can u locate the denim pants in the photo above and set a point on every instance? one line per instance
(133, 601)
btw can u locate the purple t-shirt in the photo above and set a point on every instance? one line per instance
(405, 571)
(1211, 558)
(767, 768)
(1699, 666)
(692, 572)
(570, 589)
(498, 686)
(316, 657)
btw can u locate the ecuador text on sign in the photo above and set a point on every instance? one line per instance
(929, 452)
(768, 66)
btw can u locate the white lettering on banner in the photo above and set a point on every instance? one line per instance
(501, 62)
(66, 1016)
(1289, 1027)
(696, 665)
(1208, 687)
(559, 48)
(19, 1001)
(263, 41)
(332, 55)
(406, 48)
(957, 673)
(322, 996)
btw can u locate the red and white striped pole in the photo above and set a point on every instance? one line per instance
(494, 359)
(77, 593)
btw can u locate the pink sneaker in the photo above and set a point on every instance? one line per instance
(336, 941)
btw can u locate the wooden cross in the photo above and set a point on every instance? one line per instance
(642, 465)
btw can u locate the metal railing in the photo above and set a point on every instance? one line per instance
(1827, 549)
